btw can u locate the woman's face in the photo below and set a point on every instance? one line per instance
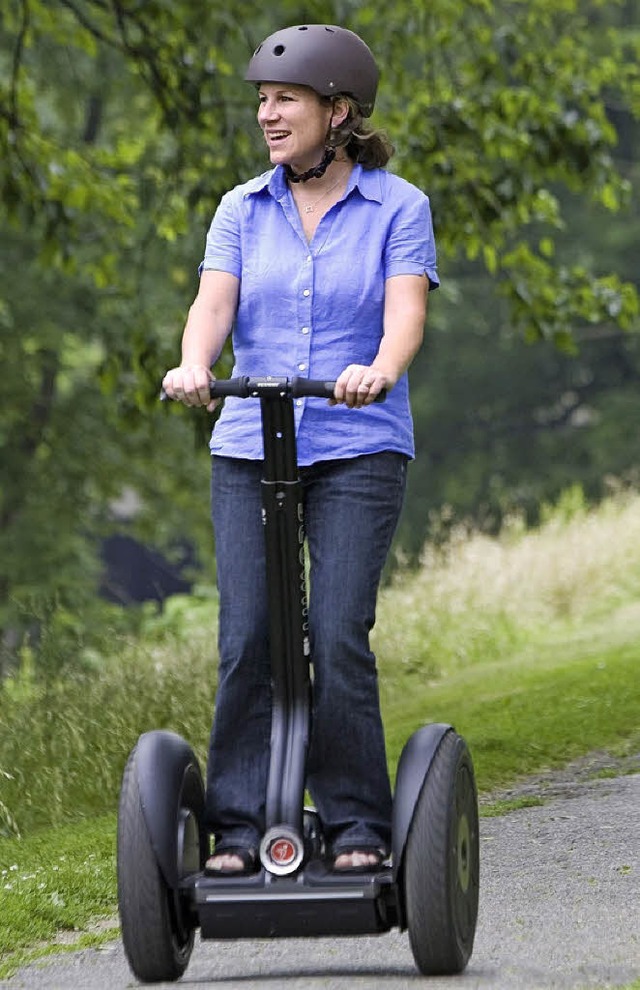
(294, 122)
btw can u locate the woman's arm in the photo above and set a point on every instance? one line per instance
(405, 312)
(208, 325)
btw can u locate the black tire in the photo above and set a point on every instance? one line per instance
(442, 863)
(156, 922)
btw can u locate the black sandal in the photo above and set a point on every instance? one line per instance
(248, 858)
(371, 867)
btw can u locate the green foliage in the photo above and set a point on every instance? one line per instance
(571, 505)
(504, 426)
(490, 111)
(64, 742)
(120, 127)
(494, 112)
(179, 616)
(527, 643)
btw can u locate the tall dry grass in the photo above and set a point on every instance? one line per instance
(480, 596)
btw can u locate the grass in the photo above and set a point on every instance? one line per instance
(520, 717)
(63, 745)
(56, 880)
(528, 644)
(504, 807)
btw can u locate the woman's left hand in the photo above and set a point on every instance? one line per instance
(359, 384)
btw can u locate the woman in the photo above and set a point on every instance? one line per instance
(321, 266)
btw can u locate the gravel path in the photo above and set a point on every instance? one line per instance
(559, 907)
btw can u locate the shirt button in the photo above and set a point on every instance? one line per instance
(308, 258)
(305, 329)
(307, 292)
(301, 367)
(298, 402)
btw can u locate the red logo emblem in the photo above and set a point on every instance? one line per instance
(282, 851)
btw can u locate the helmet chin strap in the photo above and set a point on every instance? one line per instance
(312, 173)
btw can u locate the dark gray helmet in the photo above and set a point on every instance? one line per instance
(329, 59)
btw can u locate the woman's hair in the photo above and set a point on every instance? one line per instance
(363, 144)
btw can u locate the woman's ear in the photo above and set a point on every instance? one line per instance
(340, 112)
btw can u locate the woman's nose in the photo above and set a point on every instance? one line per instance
(266, 110)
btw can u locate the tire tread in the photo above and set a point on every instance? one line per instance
(152, 947)
(438, 947)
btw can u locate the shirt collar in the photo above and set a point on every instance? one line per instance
(366, 181)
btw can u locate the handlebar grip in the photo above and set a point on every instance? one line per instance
(316, 388)
(244, 386)
(312, 388)
(219, 388)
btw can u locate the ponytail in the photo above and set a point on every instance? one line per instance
(363, 144)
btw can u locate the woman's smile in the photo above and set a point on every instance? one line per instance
(276, 137)
(294, 123)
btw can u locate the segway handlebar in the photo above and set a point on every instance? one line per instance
(246, 386)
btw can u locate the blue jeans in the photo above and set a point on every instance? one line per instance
(351, 508)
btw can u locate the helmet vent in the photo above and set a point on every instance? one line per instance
(279, 50)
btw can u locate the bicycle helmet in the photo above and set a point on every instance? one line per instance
(331, 60)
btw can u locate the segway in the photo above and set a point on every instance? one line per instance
(430, 885)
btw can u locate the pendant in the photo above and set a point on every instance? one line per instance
(308, 209)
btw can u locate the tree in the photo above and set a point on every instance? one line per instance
(510, 108)
(504, 426)
(493, 106)
(121, 124)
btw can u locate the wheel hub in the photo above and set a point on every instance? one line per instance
(463, 852)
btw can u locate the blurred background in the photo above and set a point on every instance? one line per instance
(121, 125)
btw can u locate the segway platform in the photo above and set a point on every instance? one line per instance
(313, 902)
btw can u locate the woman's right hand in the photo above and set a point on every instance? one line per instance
(189, 384)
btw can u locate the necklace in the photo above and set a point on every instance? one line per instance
(310, 207)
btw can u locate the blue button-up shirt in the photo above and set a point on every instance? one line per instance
(311, 309)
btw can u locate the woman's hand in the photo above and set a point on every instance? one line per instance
(359, 384)
(189, 384)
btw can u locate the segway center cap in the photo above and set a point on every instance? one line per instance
(281, 850)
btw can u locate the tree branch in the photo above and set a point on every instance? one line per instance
(88, 25)
(17, 61)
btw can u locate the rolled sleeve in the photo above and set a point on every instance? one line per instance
(223, 250)
(411, 248)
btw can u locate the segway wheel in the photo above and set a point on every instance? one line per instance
(441, 868)
(157, 929)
